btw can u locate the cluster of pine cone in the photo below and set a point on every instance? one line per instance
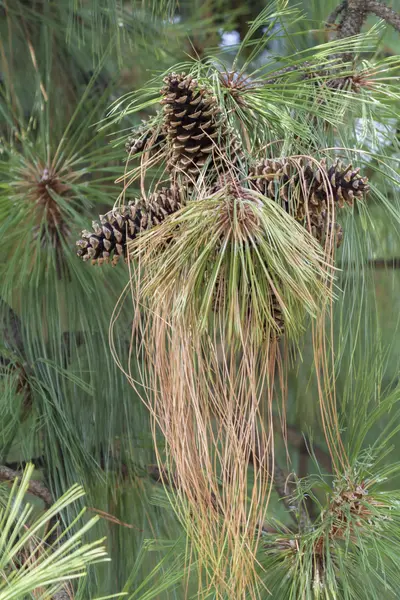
(310, 192)
(194, 139)
(191, 138)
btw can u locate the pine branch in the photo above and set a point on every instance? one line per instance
(336, 12)
(381, 263)
(289, 69)
(355, 12)
(35, 487)
(62, 595)
(161, 476)
(384, 263)
(385, 12)
(296, 438)
(285, 488)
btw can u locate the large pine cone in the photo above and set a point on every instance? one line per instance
(196, 132)
(303, 190)
(109, 237)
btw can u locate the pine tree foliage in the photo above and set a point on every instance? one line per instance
(257, 201)
(36, 557)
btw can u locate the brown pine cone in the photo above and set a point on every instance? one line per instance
(109, 238)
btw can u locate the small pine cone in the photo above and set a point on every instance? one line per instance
(195, 129)
(134, 145)
(109, 238)
(351, 83)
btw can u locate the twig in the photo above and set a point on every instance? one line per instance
(297, 439)
(160, 476)
(384, 263)
(284, 486)
(289, 69)
(105, 515)
(385, 12)
(63, 595)
(354, 15)
(335, 13)
(21, 464)
(35, 487)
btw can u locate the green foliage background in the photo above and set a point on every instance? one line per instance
(64, 404)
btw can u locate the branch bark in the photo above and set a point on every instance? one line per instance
(336, 12)
(11, 327)
(35, 487)
(355, 12)
(354, 16)
(385, 12)
(284, 485)
(62, 595)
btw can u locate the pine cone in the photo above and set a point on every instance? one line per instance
(118, 227)
(196, 132)
(302, 189)
(134, 145)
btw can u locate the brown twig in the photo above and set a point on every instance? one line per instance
(336, 12)
(297, 439)
(35, 487)
(285, 486)
(111, 519)
(63, 594)
(290, 69)
(160, 476)
(385, 12)
(354, 14)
